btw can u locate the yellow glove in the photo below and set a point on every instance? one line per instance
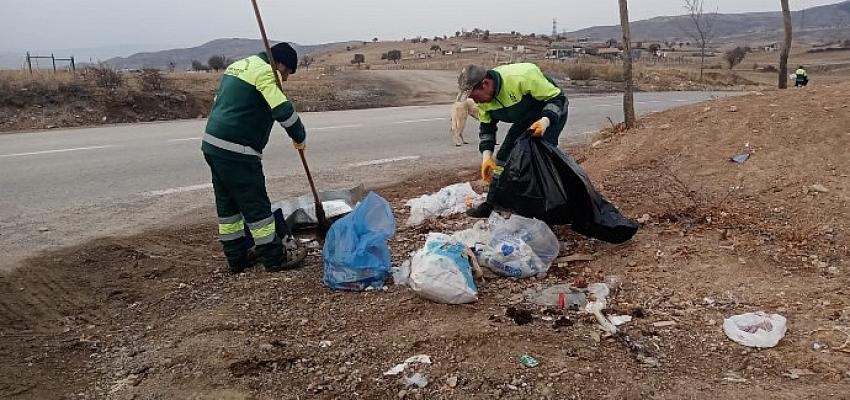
(299, 146)
(538, 128)
(487, 167)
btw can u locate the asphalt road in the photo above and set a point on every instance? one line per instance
(57, 168)
(58, 187)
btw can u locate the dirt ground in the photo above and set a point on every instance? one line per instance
(153, 316)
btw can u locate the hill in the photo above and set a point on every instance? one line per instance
(817, 23)
(231, 48)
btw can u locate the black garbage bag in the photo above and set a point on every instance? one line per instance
(541, 181)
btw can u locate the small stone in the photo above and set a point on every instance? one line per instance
(663, 324)
(44, 229)
(103, 119)
(833, 270)
(303, 322)
(182, 285)
(325, 344)
(707, 109)
(401, 393)
(665, 126)
(820, 188)
(632, 264)
(733, 109)
(796, 373)
(644, 219)
(452, 381)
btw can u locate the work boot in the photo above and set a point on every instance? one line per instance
(239, 266)
(293, 259)
(482, 211)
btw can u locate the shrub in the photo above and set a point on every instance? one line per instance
(103, 76)
(150, 80)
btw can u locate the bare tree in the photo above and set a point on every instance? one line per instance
(702, 29)
(358, 59)
(629, 92)
(306, 61)
(786, 47)
(735, 56)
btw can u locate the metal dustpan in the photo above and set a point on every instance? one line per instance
(300, 212)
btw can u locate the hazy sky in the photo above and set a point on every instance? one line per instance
(46, 25)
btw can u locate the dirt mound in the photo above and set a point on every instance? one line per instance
(794, 188)
(154, 316)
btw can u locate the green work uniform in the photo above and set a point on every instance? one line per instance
(521, 96)
(246, 106)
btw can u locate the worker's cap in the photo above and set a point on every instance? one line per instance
(286, 55)
(469, 77)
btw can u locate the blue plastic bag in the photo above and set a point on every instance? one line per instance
(356, 254)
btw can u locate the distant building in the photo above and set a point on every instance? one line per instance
(609, 52)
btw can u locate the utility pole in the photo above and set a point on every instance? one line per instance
(629, 92)
(554, 27)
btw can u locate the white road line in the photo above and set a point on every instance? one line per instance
(383, 161)
(180, 189)
(420, 120)
(183, 139)
(321, 128)
(54, 151)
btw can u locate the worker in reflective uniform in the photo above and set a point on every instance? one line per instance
(516, 93)
(247, 104)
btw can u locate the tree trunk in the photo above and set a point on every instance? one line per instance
(629, 93)
(786, 48)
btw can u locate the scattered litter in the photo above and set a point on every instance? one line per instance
(644, 219)
(755, 329)
(663, 324)
(417, 359)
(449, 200)
(818, 346)
(796, 373)
(733, 108)
(452, 381)
(356, 255)
(618, 320)
(520, 316)
(528, 361)
(325, 344)
(441, 271)
(417, 380)
(650, 361)
(600, 293)
(742, 157)
(300, 212)
(563, 322)
(572, 298)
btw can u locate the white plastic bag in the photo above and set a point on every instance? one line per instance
(755, 329)
(449, 200)
(519, 247)
(441, 272)
(533, 232)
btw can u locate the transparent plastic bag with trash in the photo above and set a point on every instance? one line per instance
(453, 199)
(440, 271)
(756, 329)
(519, 247)
(356, 255)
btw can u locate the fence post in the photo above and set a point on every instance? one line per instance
(52, 58)
(29, 62)
(73, 66)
